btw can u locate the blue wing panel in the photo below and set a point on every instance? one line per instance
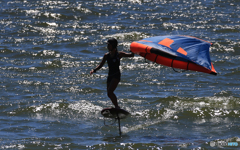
(195, 50)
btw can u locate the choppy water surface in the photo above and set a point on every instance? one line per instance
(49, 101)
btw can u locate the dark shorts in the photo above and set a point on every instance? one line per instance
(114, 76)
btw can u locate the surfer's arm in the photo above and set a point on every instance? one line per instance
(100, 65)
(124, 54)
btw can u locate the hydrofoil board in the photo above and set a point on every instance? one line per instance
(115, 113)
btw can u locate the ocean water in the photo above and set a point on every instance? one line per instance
(48, 99)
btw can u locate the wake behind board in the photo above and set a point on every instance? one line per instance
(116, 114)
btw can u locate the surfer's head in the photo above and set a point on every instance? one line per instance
(112, 44)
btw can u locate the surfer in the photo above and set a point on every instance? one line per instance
(114, 75)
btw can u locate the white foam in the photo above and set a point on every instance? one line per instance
(85, 107)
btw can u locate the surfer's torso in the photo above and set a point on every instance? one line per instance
(113, 64)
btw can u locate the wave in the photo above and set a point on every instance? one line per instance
(171, 108)
(61, 109)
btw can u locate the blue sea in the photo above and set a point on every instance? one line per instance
(49, 100)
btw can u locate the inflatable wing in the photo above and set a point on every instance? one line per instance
(182, 52)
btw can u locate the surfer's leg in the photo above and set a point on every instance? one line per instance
(111, 86)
